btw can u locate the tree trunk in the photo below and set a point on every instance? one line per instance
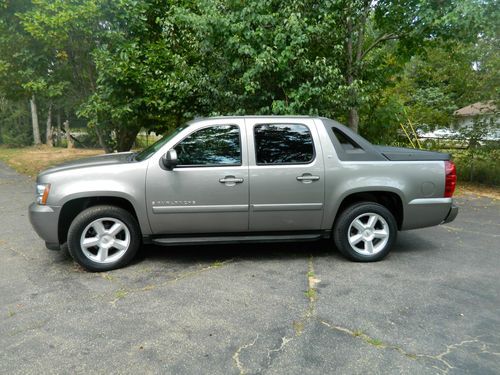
(58, 127)
(356, 28)
(126, 139)
(102, 141)
(353, 112)
(68, 135)
(34, 121)
(49, 134)
(353, 118)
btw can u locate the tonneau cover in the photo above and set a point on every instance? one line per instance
(411, 154)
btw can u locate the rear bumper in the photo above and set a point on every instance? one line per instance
(44, 220)
(451, 215)
(427, 212)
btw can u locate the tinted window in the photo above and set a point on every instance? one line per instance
(216, 145)
(346, 142)
(283, 143)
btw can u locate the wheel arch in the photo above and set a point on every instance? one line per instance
(72, 207)
(387, 198)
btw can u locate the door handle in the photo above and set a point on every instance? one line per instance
(231, 180)
(307, 177)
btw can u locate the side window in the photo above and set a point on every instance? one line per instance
(283, 144)
(213, 146)
(347, 143)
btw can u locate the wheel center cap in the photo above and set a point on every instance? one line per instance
(106, 240)
(367, 233)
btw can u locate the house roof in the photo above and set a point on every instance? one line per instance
(479, 108)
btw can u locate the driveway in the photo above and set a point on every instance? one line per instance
(432, 306)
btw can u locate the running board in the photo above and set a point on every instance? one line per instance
(209, 240)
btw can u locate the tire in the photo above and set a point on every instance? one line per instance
(365, 232)
(103, 238)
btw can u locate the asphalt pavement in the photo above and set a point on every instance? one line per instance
(431, 307)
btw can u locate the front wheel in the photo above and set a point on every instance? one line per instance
(102, 238)
(365, 232)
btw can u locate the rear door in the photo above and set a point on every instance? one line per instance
(286, 174)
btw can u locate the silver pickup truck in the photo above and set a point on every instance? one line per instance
(243, 179)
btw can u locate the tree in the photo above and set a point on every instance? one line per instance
(145, 76)
(411, 24)
(20, 63)
(70, 31)
(125, 65)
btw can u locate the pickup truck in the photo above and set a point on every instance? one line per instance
(243, 179)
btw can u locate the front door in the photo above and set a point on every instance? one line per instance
(287, 184)
(208, 190)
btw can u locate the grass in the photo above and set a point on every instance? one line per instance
(119, 294)
(369, 340)
(375, 342)
(33, 160)
(298, 327)
(310, 293)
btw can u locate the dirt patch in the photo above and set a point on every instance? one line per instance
(32, 160)
(465, 188)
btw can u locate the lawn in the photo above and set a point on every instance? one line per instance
(32, 160)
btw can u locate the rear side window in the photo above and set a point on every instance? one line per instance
(283, 144)
(346, 142)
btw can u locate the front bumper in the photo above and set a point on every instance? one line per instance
(44, 220)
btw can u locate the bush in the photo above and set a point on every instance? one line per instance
(480, 165)
(16, 135)
(15, 125)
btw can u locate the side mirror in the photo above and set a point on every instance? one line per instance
(169, 160)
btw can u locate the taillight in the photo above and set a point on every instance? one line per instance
(451, 178)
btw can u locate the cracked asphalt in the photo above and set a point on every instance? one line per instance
(432, 306)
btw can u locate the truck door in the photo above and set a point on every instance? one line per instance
(207, 192)
(286, 175)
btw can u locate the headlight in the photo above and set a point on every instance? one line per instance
(42, 193)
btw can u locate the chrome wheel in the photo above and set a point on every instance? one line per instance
(105, 240)
(368, 234)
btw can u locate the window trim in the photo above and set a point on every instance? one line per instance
(287, 163)
(183, 166)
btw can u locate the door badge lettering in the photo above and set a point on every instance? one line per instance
(173, 203)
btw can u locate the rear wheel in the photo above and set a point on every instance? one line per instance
(102, 238)
(365, 232)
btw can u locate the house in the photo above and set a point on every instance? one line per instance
(486, 112)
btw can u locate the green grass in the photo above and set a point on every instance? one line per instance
(374, 342)
(310, 293)
(119, 294)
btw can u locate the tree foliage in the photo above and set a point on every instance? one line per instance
(127, 65)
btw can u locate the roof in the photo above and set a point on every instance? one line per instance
(479, 108)
(255, 116)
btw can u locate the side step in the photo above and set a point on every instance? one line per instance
(209, 240)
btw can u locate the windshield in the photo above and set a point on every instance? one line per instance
(148, 151)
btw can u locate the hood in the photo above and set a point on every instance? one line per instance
(94, 161)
